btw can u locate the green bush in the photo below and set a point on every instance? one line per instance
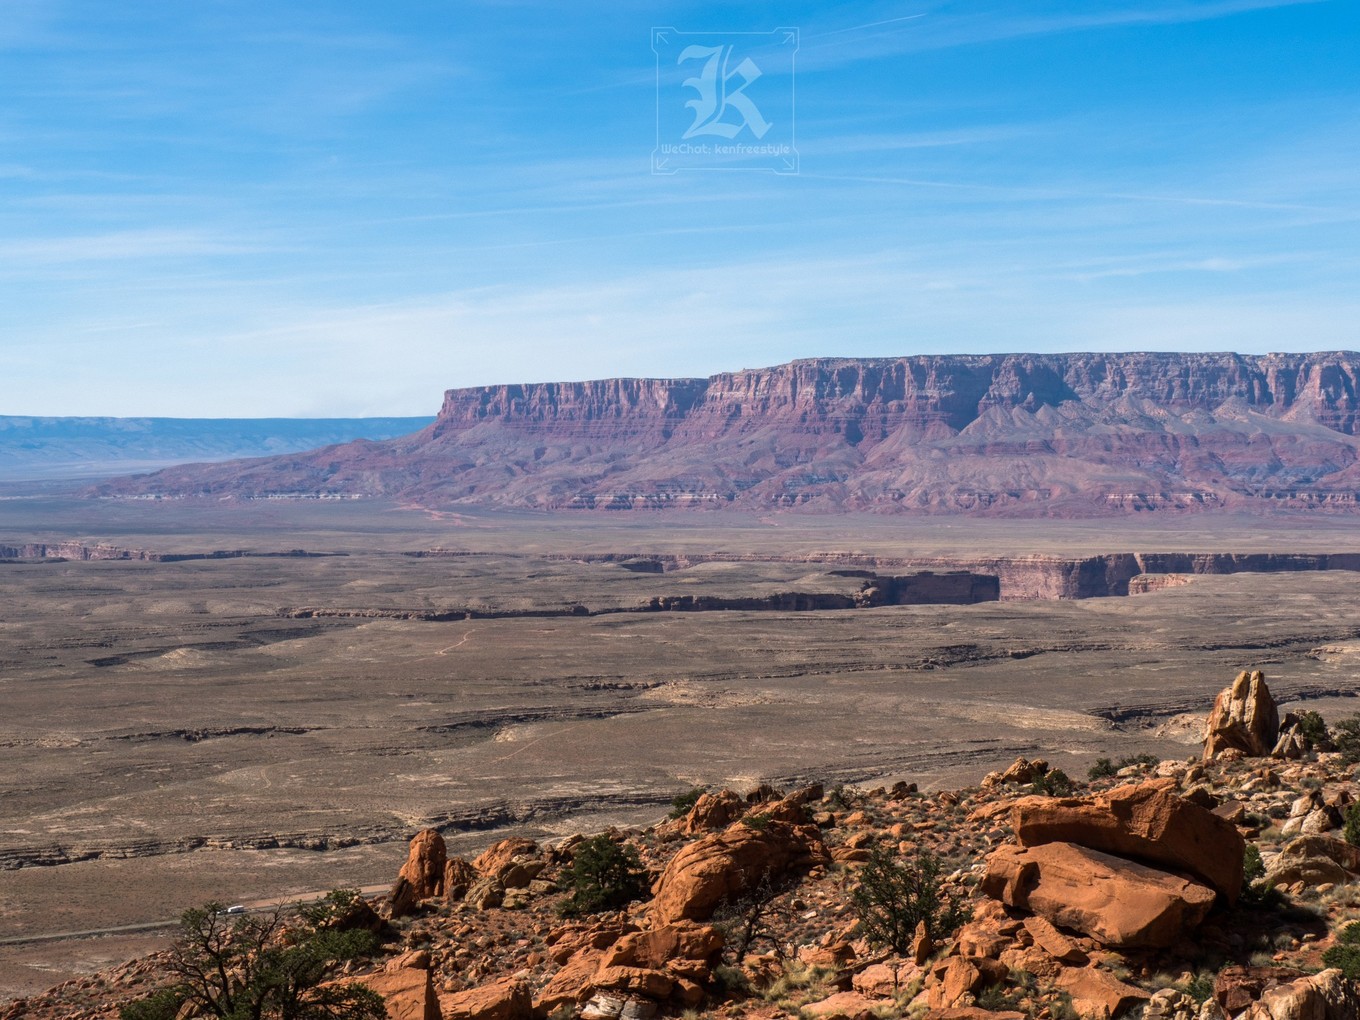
(1102, 769)
(1346, 739)
(158, 1006)
(683, 803)
(1253, 870)
(1200, 987)
(1345, 955)
(1350, 828)
(1055, 783)
(603, 875)
(1313, 728)
(842, 797)
(755, 915)
(895, 895)
(248, 966)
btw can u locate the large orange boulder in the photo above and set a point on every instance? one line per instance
(422, 876)
(713, 811)
(655, 948)
(1313, 860)
(726, 864)
(959, 976)
(1236, 988)
(1244, 717)
(506, 999)
(424, 867)
(1116, 902)
(646, 981)
(1098, 994)
(459, 877)
(1145, 821)
(671, 961)
(1324, 996)
(500, 855)
(408, 993)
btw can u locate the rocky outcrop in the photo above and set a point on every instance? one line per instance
(1324, 996)
(1244, 717)
(713, 811)
(1314, 859)
(1099, 994)
(1044, 946)
(1146, 822)
(459, 877)
(408, 993)
(723, 865)
(509, 862)
(618, 961)
(1117, 902)
(1055, 434)
(506, 999)
(422, 876)
(1021, 772)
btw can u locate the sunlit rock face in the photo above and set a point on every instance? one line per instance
(1065, 435)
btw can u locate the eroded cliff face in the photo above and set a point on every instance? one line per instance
(884, 394)
(1058, 434)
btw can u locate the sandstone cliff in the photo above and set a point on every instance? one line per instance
(1058, 434)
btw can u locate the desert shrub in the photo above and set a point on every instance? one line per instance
(158, 1006)
(1350, 828)
(1313, 728)
(1254, 869)
(1055, 783)
(1102, 769)
(727, 978)
(1346, 739)
(995, 999)
(842, 797)
(683, 803)
(799, 984)
(759, 822)
(603, 875)
(331, 910)
(256, 966)
(1200, 987)
(751, 918)
(895, 895)
(1345, 955)
(1062, 1007)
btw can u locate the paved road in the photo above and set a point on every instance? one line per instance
(148, 926)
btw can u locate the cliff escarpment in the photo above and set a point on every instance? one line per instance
(1028, 434)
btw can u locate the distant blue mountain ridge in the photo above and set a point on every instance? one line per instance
(54, 448)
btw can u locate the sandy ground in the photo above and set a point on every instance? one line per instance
(172, 729)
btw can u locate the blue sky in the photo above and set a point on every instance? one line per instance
(247, 208)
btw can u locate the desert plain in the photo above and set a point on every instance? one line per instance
(250, 728)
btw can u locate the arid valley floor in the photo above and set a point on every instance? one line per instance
(259, 727)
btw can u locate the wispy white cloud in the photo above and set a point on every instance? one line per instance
(122, 246)
(674, 321)
(944, 26)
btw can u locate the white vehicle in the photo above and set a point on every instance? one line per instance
(239, 908)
